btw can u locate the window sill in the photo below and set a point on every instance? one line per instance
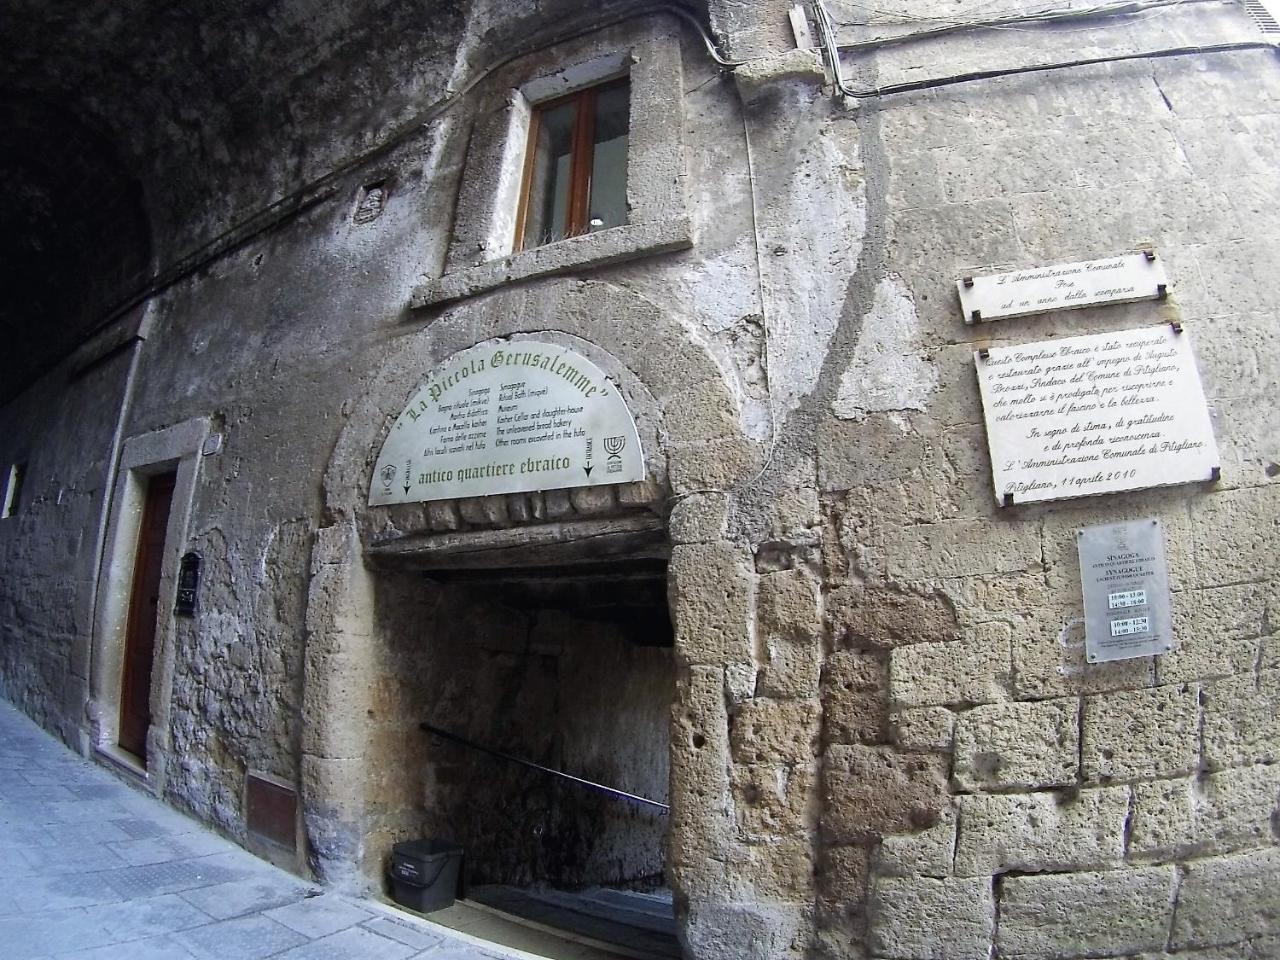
(600, 249)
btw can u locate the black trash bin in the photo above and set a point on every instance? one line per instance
(424, 874)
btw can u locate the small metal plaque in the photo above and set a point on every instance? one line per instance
(1126, 591)
(188, 585)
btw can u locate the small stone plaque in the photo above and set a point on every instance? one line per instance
(1126, 590)
(1095, 414)
(1066, 286)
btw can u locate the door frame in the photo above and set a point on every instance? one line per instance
(176, 449)
(144, 614)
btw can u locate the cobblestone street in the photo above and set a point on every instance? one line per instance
(95, 870)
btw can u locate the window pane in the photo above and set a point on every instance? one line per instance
(549, 184)
(609, 163)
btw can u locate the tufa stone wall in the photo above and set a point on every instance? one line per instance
(63, 432)
(885, 741)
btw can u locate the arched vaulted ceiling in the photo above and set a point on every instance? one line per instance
(74, 234)
(135, 131)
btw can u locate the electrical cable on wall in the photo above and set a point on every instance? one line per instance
(831, 51)
(1042, 17)
(1166, 53)
(764, 326)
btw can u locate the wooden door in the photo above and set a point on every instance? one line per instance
(140, 636)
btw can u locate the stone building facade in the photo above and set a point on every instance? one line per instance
(858, 680)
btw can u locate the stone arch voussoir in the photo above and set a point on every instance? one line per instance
(666, 354)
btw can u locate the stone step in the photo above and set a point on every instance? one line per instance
(624, 922)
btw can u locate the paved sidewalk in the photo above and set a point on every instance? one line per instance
(92, 869)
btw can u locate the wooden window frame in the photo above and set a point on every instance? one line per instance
(582, 157)
(483, 252)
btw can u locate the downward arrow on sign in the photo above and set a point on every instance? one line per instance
(406, 488)
(587, 470)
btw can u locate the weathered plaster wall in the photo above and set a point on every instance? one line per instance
(884, 739)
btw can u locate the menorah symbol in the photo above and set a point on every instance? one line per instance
(613, 447)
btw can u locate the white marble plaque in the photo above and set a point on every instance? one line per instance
(508, 418)
(1125, 579)
(1123, 279)
(1095, 414)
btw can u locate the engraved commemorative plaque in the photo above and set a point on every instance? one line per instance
(508, 417)
(1126, 590)
(1101, 413)
(1063, 286)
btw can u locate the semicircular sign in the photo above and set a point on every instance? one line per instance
(510, 417)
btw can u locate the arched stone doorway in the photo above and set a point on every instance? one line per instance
(632, 688)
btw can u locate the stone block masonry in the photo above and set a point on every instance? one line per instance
(853, 697)
(867, 687)
(1141, 734)
(713, 619)
(927, 852)
(1113, 913)
(1018, 745)
(868, 792)
(1041, 832)
(975, 669)
(1242, 719)
(1222, 901)
(1209, 814)
(922, 918)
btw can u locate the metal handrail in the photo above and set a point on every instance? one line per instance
(613, 792)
